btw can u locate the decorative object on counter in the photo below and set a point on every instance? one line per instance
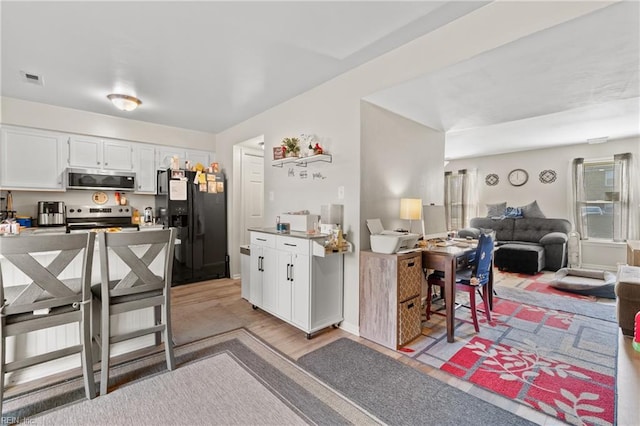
(317, 150)
(8, 212)
(24, 221)
(337, 240)
(281, 228)
(148, 215)
(9, 227)
(101, 198)
(292, 147)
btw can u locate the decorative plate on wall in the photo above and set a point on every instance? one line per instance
(492, 179)
(100, 197)
(547, 176)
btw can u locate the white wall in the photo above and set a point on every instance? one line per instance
(555, 198)
(386, 138)
(332, 111)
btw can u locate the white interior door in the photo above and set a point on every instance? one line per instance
(252, 207)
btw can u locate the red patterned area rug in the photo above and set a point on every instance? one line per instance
(558, 362)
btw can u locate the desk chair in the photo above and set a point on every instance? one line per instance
(47, 292)
(140, 288)
(471, 279)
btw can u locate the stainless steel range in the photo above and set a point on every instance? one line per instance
(83, 218)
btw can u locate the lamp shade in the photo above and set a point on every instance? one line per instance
(410, 208)
(124, 102)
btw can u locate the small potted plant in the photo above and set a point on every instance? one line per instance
(291, 146)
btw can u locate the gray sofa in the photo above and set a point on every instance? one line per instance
(525, 244)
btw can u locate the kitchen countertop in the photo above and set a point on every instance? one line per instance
(296, 234)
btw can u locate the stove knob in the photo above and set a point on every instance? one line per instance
(120, 210)
(71, 210)
(79, 210)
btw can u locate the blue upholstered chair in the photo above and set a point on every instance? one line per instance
(472, 279)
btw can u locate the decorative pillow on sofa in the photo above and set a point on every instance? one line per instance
(495, 210)
(532, 210)
(513, 212)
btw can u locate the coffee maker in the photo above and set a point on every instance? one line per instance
(51, 213)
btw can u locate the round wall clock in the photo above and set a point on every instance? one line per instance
(518, 177)
(99, 197)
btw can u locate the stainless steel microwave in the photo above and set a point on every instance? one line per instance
(100, 179)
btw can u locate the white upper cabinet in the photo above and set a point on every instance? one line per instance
(144, 159)
(32, 159)
(164, 154)
(96, 153)
(195, 157)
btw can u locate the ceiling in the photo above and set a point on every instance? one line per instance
(565, 85)
(209, 65)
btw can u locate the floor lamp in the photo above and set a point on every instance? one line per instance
(411, 209)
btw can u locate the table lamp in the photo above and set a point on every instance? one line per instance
(410, 209)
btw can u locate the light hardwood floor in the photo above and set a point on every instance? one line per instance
(204, 309)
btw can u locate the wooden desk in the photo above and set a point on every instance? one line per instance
(449, 260)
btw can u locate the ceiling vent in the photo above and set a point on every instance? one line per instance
(32, 78)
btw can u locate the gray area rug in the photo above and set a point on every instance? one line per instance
(559, 303)
(397, 393)
(228, 379)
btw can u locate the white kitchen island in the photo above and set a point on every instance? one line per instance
(38, 342)
(293, 277)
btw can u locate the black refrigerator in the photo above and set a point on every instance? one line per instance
(196, 206)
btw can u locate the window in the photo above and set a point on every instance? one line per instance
(459, 198)
(601, 195)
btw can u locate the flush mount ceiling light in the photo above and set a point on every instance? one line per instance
(124, 102)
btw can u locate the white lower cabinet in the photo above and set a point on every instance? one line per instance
(303, 290)
(263, 268)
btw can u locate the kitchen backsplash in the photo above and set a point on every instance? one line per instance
(25, 203)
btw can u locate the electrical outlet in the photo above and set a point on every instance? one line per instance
(341, 193)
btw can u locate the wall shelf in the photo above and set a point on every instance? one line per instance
(302, 161)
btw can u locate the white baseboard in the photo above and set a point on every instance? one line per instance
(350, 328)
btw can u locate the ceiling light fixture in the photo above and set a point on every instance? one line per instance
(124, 102)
